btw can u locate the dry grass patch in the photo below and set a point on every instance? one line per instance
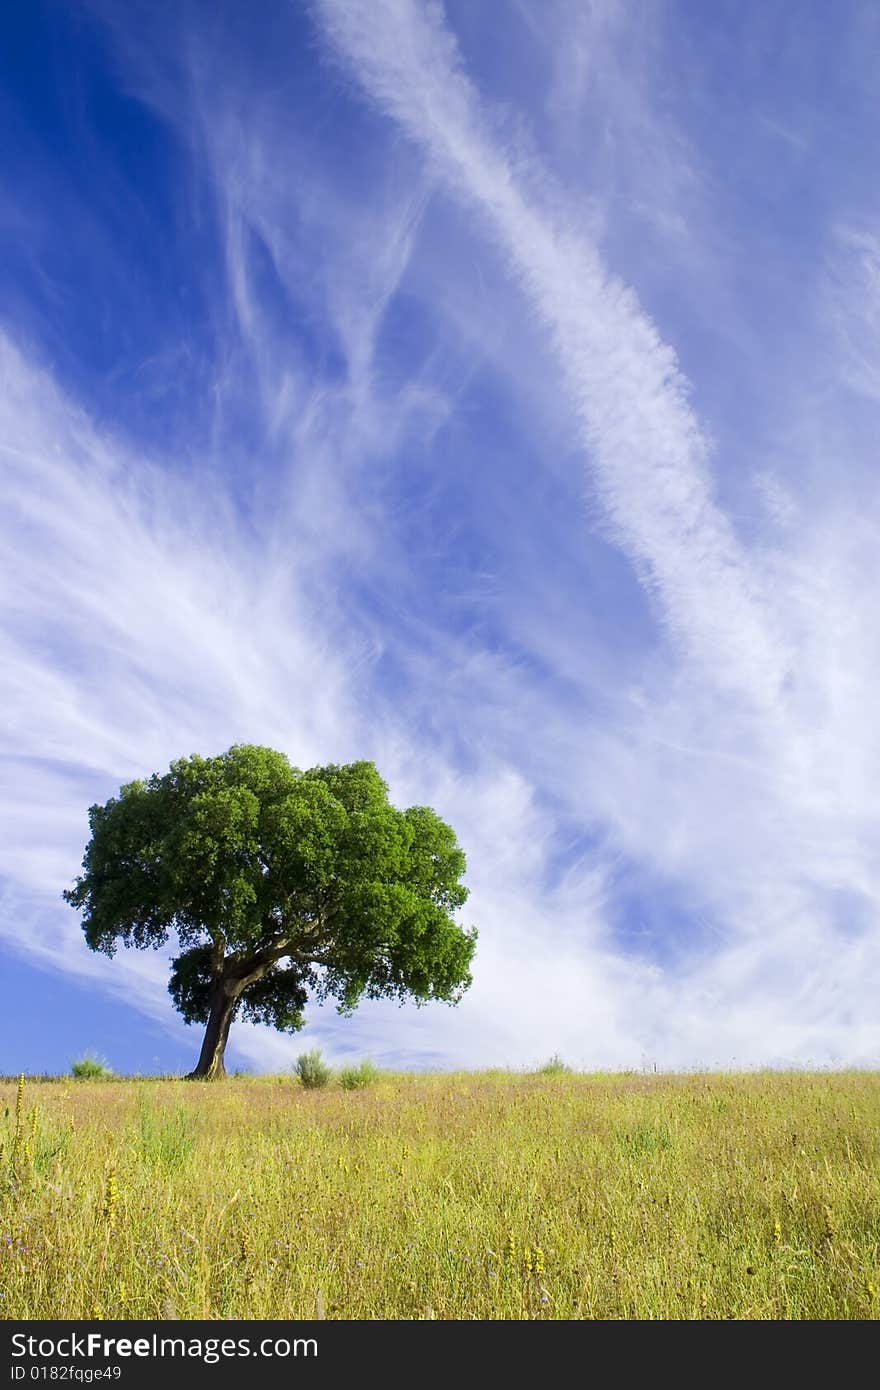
(470, 1196)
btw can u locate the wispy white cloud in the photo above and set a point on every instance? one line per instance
(853, 298)
(757, 658)
(648, 448)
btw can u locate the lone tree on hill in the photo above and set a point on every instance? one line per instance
(279, 885)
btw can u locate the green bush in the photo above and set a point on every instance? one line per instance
(353, 1078)
(90, 1068)
(312, 1070)
(554, 1066)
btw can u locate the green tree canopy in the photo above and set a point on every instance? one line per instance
(279, 885)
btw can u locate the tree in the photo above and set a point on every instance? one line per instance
(280, 885)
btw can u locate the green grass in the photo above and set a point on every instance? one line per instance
(355, 1078)
(466, 1196)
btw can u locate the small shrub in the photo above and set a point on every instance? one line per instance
(554, 1066)
(356, 1078)
(90, 1068)
(312, 1070)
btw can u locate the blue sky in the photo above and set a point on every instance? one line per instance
(490, 391)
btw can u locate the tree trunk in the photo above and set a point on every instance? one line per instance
(224, 998)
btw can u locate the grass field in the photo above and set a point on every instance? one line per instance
(450, 1196)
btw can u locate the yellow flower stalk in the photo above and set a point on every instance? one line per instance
(111, 1199)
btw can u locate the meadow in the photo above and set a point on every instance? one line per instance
(488, 1196)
